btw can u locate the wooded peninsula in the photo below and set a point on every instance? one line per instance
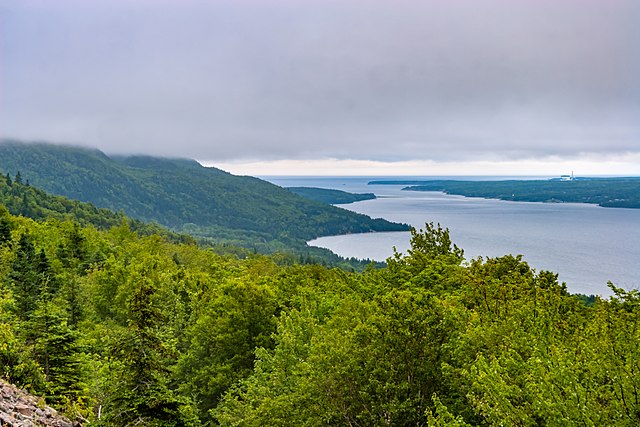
(330, 196)
(605, 192)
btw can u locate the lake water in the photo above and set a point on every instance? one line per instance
(585, 244)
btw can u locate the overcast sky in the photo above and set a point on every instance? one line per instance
(331, 86)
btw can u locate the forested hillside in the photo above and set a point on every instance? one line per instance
(20, 198)
(123, 329)
(184, 196)
(24, 199)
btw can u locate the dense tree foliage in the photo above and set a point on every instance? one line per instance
(118, 326)
(184, 196)
(32, 202)
(29, 201)
(607, 192)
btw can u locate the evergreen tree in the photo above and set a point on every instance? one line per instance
(55, 347)
(24, 278)
(71, 292)
(49, 283)
(25, 208)
(141, 395)
(73, 253)
(5, 231)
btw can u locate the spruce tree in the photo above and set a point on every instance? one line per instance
(73, 253)
(55, 348)
(5, 231)
(141, 394)
(49, 283)
(24, 278)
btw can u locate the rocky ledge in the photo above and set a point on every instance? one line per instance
(20, 409)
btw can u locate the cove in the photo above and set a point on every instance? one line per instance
(585, 244)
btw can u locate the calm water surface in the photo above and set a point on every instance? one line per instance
(585, 244)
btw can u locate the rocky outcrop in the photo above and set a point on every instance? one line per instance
(20, 409)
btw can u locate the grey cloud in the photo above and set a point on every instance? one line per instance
(384, 80)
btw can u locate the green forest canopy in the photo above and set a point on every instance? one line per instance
(121, 329)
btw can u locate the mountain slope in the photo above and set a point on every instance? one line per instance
(183, 195)
(31, 202)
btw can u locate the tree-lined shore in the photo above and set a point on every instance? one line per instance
(605, 192)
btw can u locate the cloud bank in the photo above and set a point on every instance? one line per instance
(395, 80)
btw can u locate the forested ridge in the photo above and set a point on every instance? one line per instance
(184, 196)
(21, 198)
(118, 327)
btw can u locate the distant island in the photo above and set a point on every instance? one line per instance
(331, 197)
(605, 192)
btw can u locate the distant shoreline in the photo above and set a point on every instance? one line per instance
(623, 192)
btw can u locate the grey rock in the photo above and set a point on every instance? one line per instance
(20, 409)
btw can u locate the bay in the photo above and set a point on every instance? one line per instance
(585, 244)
